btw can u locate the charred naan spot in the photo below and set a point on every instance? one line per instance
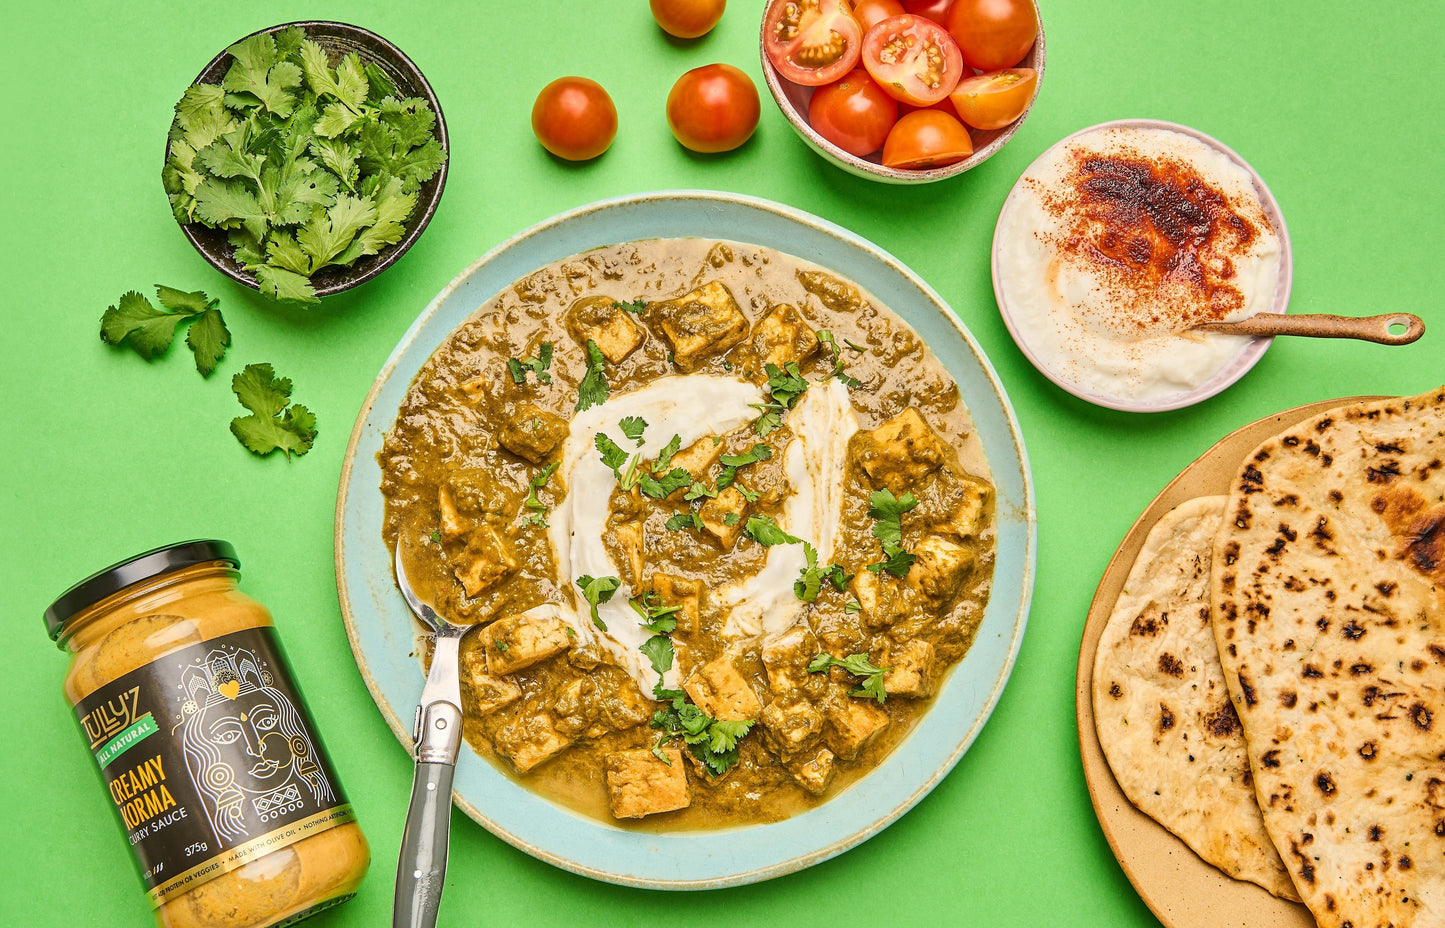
(1116, 691)
(1242, 515)
(1290, 441)
(1311, 448)
(1386, 588)
(1294, 585)
(1171, 665)
(1326, 459)
(1385, 473)
(1421, 716)
(1440, 828)
(1276, 548)
(1367, 750)
(1270, 759)
(1336, 496)
(1249, 695)
(1287, 532)
(1353, 630)
(1288, 699)
(1330, 594)
(1379, 505)
(1376, 832)
(1437, 652)
(1424, 547)
(1435, 792)
(1148, 624)
(1324, 424)
(1323, 623)
(1322, 535)
(1262, 455)
(1231, 552)
(1417, 665)
(1288, 644)
(1325, 783)
(1361, 669)
(1287, 501)
(1424, 472)
(1232, 651)
(1166, 718)
(1251, 480)
(1311, 672)
(1222, 722)
(1405, 863)
(1389, 447)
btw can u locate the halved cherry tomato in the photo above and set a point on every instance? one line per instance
(854, 114)
(574, 118)
(713, 108)
(993, 34)
(913, 59)
(868, 12)
(687, 19)
(812, 42)
(936, 10)
(926, 139)
(993, 100)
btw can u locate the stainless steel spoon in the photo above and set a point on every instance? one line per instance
(422, 865)
(1322, 325)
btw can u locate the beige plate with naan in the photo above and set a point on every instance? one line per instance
(1180, 889)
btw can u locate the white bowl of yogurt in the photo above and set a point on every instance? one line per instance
(1120, 237)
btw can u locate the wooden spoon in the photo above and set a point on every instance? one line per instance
(1322, 325)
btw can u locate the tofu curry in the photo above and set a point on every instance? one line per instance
(719, 519)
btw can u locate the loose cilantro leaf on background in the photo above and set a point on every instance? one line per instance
(538, 514)
(632, 427)
(150, 331)
(539, 365)
(597, 590)
(272, 424)
(785, 385)
(887, 512)
(592, 390)
(766, 532)
(859, 666)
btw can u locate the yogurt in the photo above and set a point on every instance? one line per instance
(1114, 243)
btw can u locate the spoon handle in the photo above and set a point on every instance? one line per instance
(1322, 325)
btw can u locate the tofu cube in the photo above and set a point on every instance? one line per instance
(723, 517)
(627, 537)
(852, 724)
(639, 784)
(531, 432)
(701, 324)
(594, 318)
(529, 739)
(967, 518)
(940, 568)
(686, 594)
(450, 522)
(814, 773)
(783, 335)
(719, 690)
(486, 560)
(522, 640)
(910, 669)
(786, 657)
(900, 452)
(877, 598)
(791, 726)
(489, 692)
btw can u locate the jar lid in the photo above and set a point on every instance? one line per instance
(133, 570)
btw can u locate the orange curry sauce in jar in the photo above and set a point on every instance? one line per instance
(233, 812)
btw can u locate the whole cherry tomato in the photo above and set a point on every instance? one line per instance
(713, 108)
(993, 100)
(936, 10)
(854, 114)
(811, 42)
(993, 34)
(687, 19)
(914, 59)
(574, 118)
(868, 12)
(926, 139)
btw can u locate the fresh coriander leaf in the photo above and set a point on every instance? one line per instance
(632, 427)
(664, 486)
(385, 146)
(658, 650)
(208, 339)
(660, 620)
(897, 562)
(766, 532)
(657, 751)
(612, 454)
(855, 346)
(436, 536)
(381, 85)
(852, 607)
(287, 286)
(768, 422)
(724, 736)
(882, 504)
(684, 521)
(636, 306)
(887, 512)
(593, 388)
(597, 590)
(859, 666)
(758, 452)
(730, 518)
(283, 252)
(539, 365)
(272, 424)
(820, 663)
(747, 494)
(227, 204)
(148, 330)
(328, 232)
(699, 490)
(664, 457)
(257, 69)
(537, 516)
(179, 301)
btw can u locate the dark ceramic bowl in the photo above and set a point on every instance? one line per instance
(338, 39)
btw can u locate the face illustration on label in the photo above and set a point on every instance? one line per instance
(246, 748)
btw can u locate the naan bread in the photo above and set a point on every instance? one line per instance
(1329, 599)
(1162, 711)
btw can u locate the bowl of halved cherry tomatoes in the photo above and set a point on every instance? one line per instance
(904, 91)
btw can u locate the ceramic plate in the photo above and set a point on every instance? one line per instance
(382, 632)
(1180, 888)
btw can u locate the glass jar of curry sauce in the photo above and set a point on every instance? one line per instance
(210, 759)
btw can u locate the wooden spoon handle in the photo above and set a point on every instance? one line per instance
(1322, 325)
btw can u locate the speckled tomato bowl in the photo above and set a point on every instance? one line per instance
(793, 99)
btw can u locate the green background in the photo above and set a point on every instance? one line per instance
(1334, 103)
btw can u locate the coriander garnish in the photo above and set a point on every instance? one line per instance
(593, 390)
(539, 365)
(859, 666)
(810, 581)
(538, 516)
(710, 740)
(887, 512)
(597, 590)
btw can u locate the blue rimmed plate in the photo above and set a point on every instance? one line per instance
(382, 631)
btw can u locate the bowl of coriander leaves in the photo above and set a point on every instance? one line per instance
(306, 158)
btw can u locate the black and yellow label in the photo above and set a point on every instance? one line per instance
(211, 760)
